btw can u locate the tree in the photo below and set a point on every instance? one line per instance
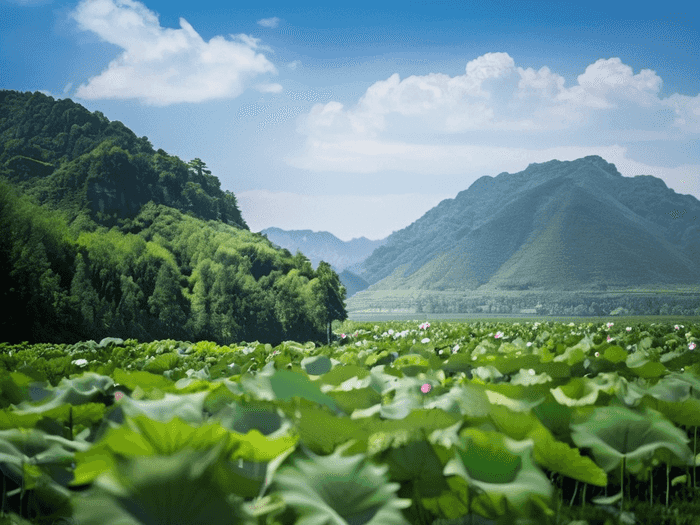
(330, 294)
(167, 303)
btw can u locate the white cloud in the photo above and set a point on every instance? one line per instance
(372, 156)
(294, 65)
(376, 216)
(163, 66)
(415, 125)
(269, 88)
(269, 22)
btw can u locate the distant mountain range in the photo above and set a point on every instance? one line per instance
(345, 257)
(574, 225)
(556, 226)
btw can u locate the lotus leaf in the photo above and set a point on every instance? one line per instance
(338, 490)
(613, 433)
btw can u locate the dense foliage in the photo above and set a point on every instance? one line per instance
(68, 157)
(394, 423)
(103, 236)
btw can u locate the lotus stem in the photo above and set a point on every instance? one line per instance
(651, 485)
(668, 482)
(695, 454)
(622, 483)
(574, 496)
(585, 485)
(469, 511)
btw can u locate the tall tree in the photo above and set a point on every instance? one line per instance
(167, 304)
(330, 295)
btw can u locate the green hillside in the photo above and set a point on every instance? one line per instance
(559, 225)
(103, 236)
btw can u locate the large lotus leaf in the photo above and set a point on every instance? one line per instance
(579, 391)
(509, 364)
(182, 488)
(16, 387)
(188, 407)
(577, 353)
(162, 363)
(530, 377)
(417, 462)
(615, 354)
(690, 378)
(630, 393)
(468, 400)
(487, 373)
(90, 387)
(338, 490)
(670, 389)
(86, 414)
(496, 464)
(339, 374)
(286, 385)
(145, 380)
(686, 413)
(316, 365)
(548, 452)
(555, 416)
(640, 364)
(616, 432)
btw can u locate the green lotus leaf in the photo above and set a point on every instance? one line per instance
(548, 452)
(182, 488)
(615, 354)
(316, 365)
(613, 433)
(497, 464)
(579, 391)
(337, 490)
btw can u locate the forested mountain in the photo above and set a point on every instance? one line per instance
(576, 225)
(103, 236)
(324, 246)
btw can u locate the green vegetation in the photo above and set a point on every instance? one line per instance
(394, 423)
(681, 301)
(103, 236)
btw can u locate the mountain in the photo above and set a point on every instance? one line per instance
(103, 236)
(558, 225)
(324, 246)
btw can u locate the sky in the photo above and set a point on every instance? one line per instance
(358, 117)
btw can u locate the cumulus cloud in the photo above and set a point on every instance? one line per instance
(162, 66)
(381, 214)
(269, 22)
(437, 124)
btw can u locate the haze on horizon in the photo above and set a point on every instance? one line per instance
(357, 118)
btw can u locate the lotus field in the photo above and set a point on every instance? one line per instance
(393, 423)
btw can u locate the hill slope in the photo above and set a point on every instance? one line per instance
(103, 236)
(554, 226)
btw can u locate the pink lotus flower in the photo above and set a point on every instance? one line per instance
(425, 388)
(609, 324)
(343, 336)
(118, 395)
(609, 339)
(498, 335)
(691, 346)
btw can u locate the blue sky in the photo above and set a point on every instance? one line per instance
(358, 117)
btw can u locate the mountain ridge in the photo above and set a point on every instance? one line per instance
(488, 236)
